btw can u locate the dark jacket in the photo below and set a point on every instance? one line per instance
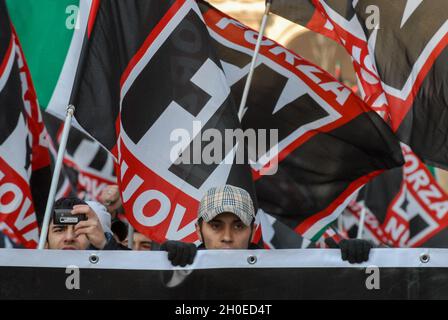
(111, 244)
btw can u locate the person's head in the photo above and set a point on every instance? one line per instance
(141, 242)
(62, 237)
(120, 230)
(226, 218)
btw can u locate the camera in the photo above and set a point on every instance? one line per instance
(65, 217)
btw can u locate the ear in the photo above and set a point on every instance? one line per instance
(198, 232)
(46, 245)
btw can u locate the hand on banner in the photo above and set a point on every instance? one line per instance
(91, 228)
(352, 250)
(179, 253)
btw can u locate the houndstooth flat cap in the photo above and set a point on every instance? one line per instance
(227, 198)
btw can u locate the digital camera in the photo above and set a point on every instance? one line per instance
(65, 217)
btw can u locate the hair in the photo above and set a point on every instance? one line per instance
(67, 203)
(120, 229)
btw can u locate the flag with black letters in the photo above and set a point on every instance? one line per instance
(162, 88)
(88, 168)
(408, 204)
(330, 142)
(399, 52)
(24, 158)
(168, 95)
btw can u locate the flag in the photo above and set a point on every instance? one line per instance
(88, 168)
(276, 235)
(411, 208)
(372, 229)
(7, 239)
(323, 115)
(65, 186)
(154, 75)
(330, 142)
(24, 157)
(399, 52)
(52, 34)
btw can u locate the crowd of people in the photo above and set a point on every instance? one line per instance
(225, 220)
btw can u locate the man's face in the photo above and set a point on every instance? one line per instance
(62, 237)
(141, 242)
(225, 231)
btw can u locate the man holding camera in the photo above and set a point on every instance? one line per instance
(86, 228)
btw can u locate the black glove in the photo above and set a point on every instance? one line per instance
(353, 250)
(179, 253)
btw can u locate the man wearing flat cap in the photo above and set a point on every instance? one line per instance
(226, 219)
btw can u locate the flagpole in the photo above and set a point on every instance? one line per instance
(361, 222)
(56, 174)
(130, 236)
(254, 59)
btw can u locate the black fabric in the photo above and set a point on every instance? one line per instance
(21, 126)
(398, 47)
(5, 31)
(249, 283)
(425, 126)
(318, 171)
(405, 213)
(112, 244)
(120, 31)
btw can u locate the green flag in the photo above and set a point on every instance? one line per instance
(51, 33)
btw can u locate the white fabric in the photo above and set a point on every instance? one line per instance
(102, 214)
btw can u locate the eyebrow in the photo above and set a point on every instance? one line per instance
(236, 220)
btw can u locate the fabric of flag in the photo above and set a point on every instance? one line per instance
(400, 55)
(65, 186)
(24, 157)
(308, 107)
(88, 168)
(52, 35)
(276, 235)
(372, 229)
(148, 70)
(8, 240)
(411, 208)
(330, 142)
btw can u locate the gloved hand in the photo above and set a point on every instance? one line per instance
(353, 250)
(179, 253)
